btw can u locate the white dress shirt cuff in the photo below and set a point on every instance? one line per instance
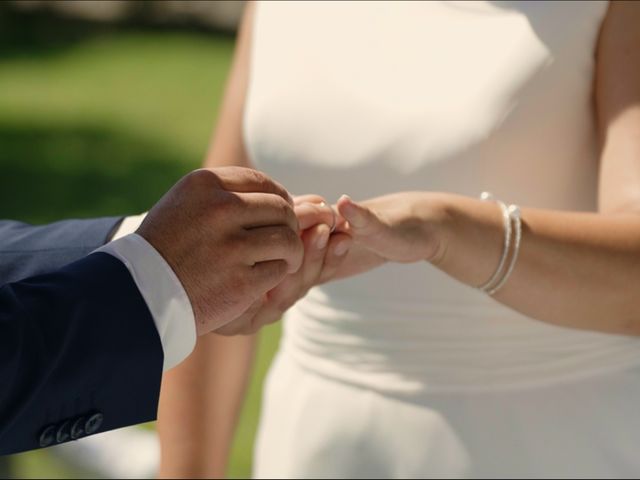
(129, 225)
(162, 291)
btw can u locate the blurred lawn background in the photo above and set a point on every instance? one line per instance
(103, 123)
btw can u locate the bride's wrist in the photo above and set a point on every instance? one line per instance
(468, 237)
(438, 219)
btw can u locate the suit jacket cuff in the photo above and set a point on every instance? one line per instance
(163, 293)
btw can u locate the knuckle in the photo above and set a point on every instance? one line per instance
(268, 185)
(284, 209)
(259, 279)
(240, 284)
(278, 300)
(225, 204)
(291, 240)
(253, 174)
(290, 216)
(263, 277)
(279, 237)
(282, 204)
(278, 271)
(259, 179)
(201, 178)
(238, 246)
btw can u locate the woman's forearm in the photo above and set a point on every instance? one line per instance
(579, 270)
(574, 269)
(200, 404)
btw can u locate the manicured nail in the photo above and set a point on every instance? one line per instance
(323, 239)
(354, 215)
(341, 249)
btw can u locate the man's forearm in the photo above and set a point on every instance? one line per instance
(80, 355)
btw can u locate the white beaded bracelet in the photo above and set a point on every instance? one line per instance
(495, 278)
(515, 216)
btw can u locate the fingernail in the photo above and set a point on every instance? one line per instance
(354, 215)
(341, 249)
(323, 239)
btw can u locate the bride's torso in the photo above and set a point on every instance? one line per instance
(372, 98)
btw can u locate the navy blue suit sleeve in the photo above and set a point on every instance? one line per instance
(27, 250)
(79, 354)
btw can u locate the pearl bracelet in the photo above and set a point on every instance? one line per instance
(512, 220)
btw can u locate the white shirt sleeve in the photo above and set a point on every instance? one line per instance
(161, 289)
(129, 225)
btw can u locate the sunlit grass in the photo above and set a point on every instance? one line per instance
(162, 87)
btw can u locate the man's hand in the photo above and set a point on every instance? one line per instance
(324, 254)
(230, 235)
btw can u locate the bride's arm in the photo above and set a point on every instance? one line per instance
(578, 270)
(201, 399)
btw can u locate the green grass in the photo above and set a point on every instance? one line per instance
(103, 126)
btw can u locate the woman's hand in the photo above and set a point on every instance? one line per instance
(312, 210)
(324, 254)
(402, 227)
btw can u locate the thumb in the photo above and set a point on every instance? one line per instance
(362, 220)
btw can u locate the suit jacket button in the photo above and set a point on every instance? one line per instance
(48, 436)
(94, 423)
(64, 432)
(77, 429)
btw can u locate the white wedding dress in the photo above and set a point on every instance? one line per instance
(404, 372)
